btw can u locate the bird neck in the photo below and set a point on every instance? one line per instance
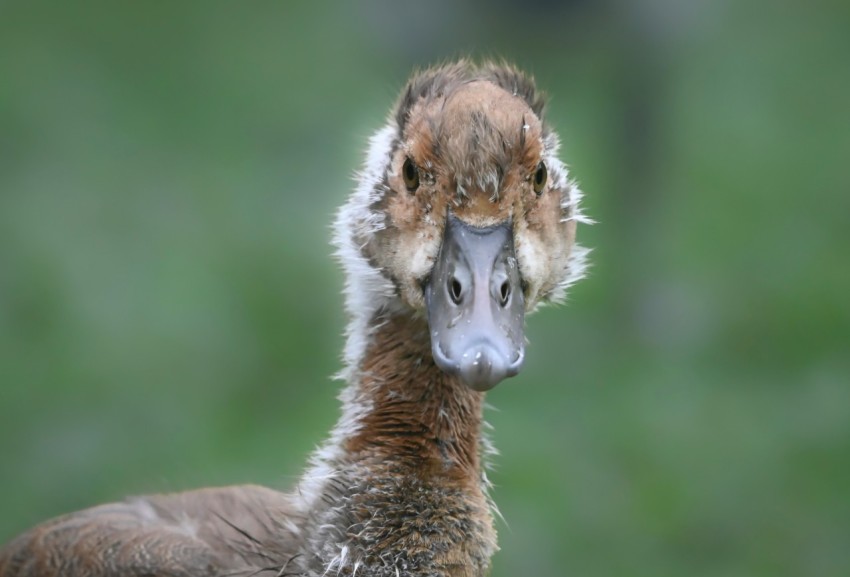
(401, 476)
(412, 414)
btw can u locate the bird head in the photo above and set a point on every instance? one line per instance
(465, 215)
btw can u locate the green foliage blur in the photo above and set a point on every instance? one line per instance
(170, 313)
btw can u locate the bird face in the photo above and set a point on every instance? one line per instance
(465, 215)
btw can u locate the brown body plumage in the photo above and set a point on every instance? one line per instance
(399, 489)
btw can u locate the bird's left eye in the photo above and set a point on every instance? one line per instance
(540, 176)
(410, 174)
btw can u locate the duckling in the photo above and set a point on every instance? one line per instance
(462, 222)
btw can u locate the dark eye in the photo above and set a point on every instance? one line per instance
(540, 176)
(410, 174)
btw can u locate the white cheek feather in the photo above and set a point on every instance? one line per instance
(416, 254)
(423, 258)
(571, 198)
(576, 263)
(576, 270)
(367, 290)
(534, 263)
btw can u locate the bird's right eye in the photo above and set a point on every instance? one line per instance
(410, 174)
(540, 177)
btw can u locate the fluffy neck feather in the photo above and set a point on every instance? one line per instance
(399, 488)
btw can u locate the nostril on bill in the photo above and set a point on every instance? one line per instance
(455, 290)
(504, 293)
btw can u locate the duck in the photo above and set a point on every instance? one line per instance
(462, 221)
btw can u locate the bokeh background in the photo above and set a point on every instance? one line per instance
(170, 313)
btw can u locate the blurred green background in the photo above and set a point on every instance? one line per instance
(170, 313)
